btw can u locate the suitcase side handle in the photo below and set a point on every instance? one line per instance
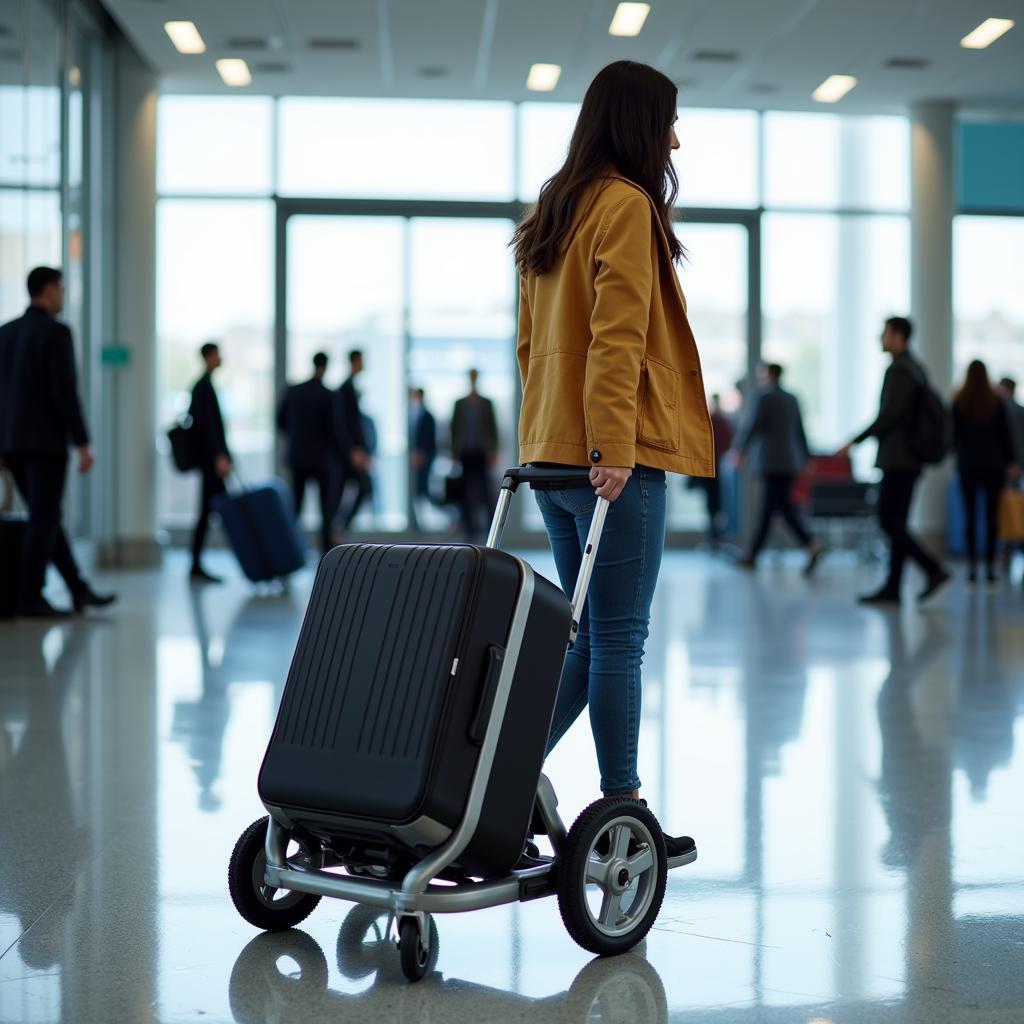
(489, 690)
(547, 478)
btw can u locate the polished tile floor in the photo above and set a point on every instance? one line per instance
(855, 780)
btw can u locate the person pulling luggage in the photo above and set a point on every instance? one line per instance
(212, 454)
(611, 379)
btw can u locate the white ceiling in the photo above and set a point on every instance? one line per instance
(782, 49)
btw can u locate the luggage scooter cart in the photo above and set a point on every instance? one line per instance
(608, 871)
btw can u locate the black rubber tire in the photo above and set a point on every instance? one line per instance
(258, 988)
(249, 850)
(571, 875)
(415, 961)
(364, 943)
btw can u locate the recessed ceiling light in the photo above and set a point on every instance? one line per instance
(986, 33)
(185, 36)
(834, 88)
(543, 77)
(629, 19)
(234, 71)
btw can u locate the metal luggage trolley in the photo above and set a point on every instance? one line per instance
(608, 871)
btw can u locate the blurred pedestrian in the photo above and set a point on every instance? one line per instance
(985, 456)
(1007, 389)
(901, 465)
(422, 450)
(40, 415)
(309, 417)
(213, 455)
(475, 448)
(772, 436)
(355, 466)
(722, 425)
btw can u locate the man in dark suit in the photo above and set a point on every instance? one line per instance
(901, 468)
(772, 436)
(475, 447)
(317, 441)
(422, 449)
(40, 414)
(213, 455)
(355, 466)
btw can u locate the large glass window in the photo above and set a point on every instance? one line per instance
(346, 285)
(461, 317)
(988, 289)
(714, 280)
(409, 149)
(828, 160)
(215, 283)
(717, 158)
(829, 283)
(215, 146)
(544, 133)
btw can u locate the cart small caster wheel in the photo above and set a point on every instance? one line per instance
(260, 904)
(415, 959)
(611, 875)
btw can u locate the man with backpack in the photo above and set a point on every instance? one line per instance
(912, 429)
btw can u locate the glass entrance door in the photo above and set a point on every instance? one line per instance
(425, 299)
(714, 277)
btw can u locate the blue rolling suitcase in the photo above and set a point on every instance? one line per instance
(263, 532)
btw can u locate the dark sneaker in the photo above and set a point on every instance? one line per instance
(90, 599)
(814, 557)
(42, 609)
(972, 578)
(885, 596)
(677, 846)
(202, 576)
(938, 581)
(747, 562)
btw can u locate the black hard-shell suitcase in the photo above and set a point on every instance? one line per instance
(389, 696)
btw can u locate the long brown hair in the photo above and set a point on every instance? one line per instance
(977, 399)
(623, 127)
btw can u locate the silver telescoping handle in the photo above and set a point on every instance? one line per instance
(551, 478)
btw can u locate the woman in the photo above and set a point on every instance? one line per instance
(984, 455)
(611, 379)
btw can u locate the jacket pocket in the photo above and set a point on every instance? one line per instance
(658, 406)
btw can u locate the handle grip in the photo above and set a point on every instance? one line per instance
(546, 478)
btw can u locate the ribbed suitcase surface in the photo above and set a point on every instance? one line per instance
(374, 718)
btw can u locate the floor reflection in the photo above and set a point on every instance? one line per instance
(288, 973)
(853, 778)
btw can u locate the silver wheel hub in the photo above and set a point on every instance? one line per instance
(621, 876)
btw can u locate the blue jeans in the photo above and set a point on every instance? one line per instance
(603, 667)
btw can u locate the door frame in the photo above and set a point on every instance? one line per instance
(285, 208)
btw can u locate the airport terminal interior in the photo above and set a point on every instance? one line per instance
(280, 179)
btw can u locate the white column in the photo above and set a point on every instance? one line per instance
(130, 392)
(931, 261)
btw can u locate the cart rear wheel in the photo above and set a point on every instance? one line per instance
(415, 959)
(611, 875)
(262, 905)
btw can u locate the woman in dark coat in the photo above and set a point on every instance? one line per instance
(985, 457)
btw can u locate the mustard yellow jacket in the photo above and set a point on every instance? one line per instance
(608, 362)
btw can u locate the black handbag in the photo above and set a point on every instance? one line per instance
(184, 449)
